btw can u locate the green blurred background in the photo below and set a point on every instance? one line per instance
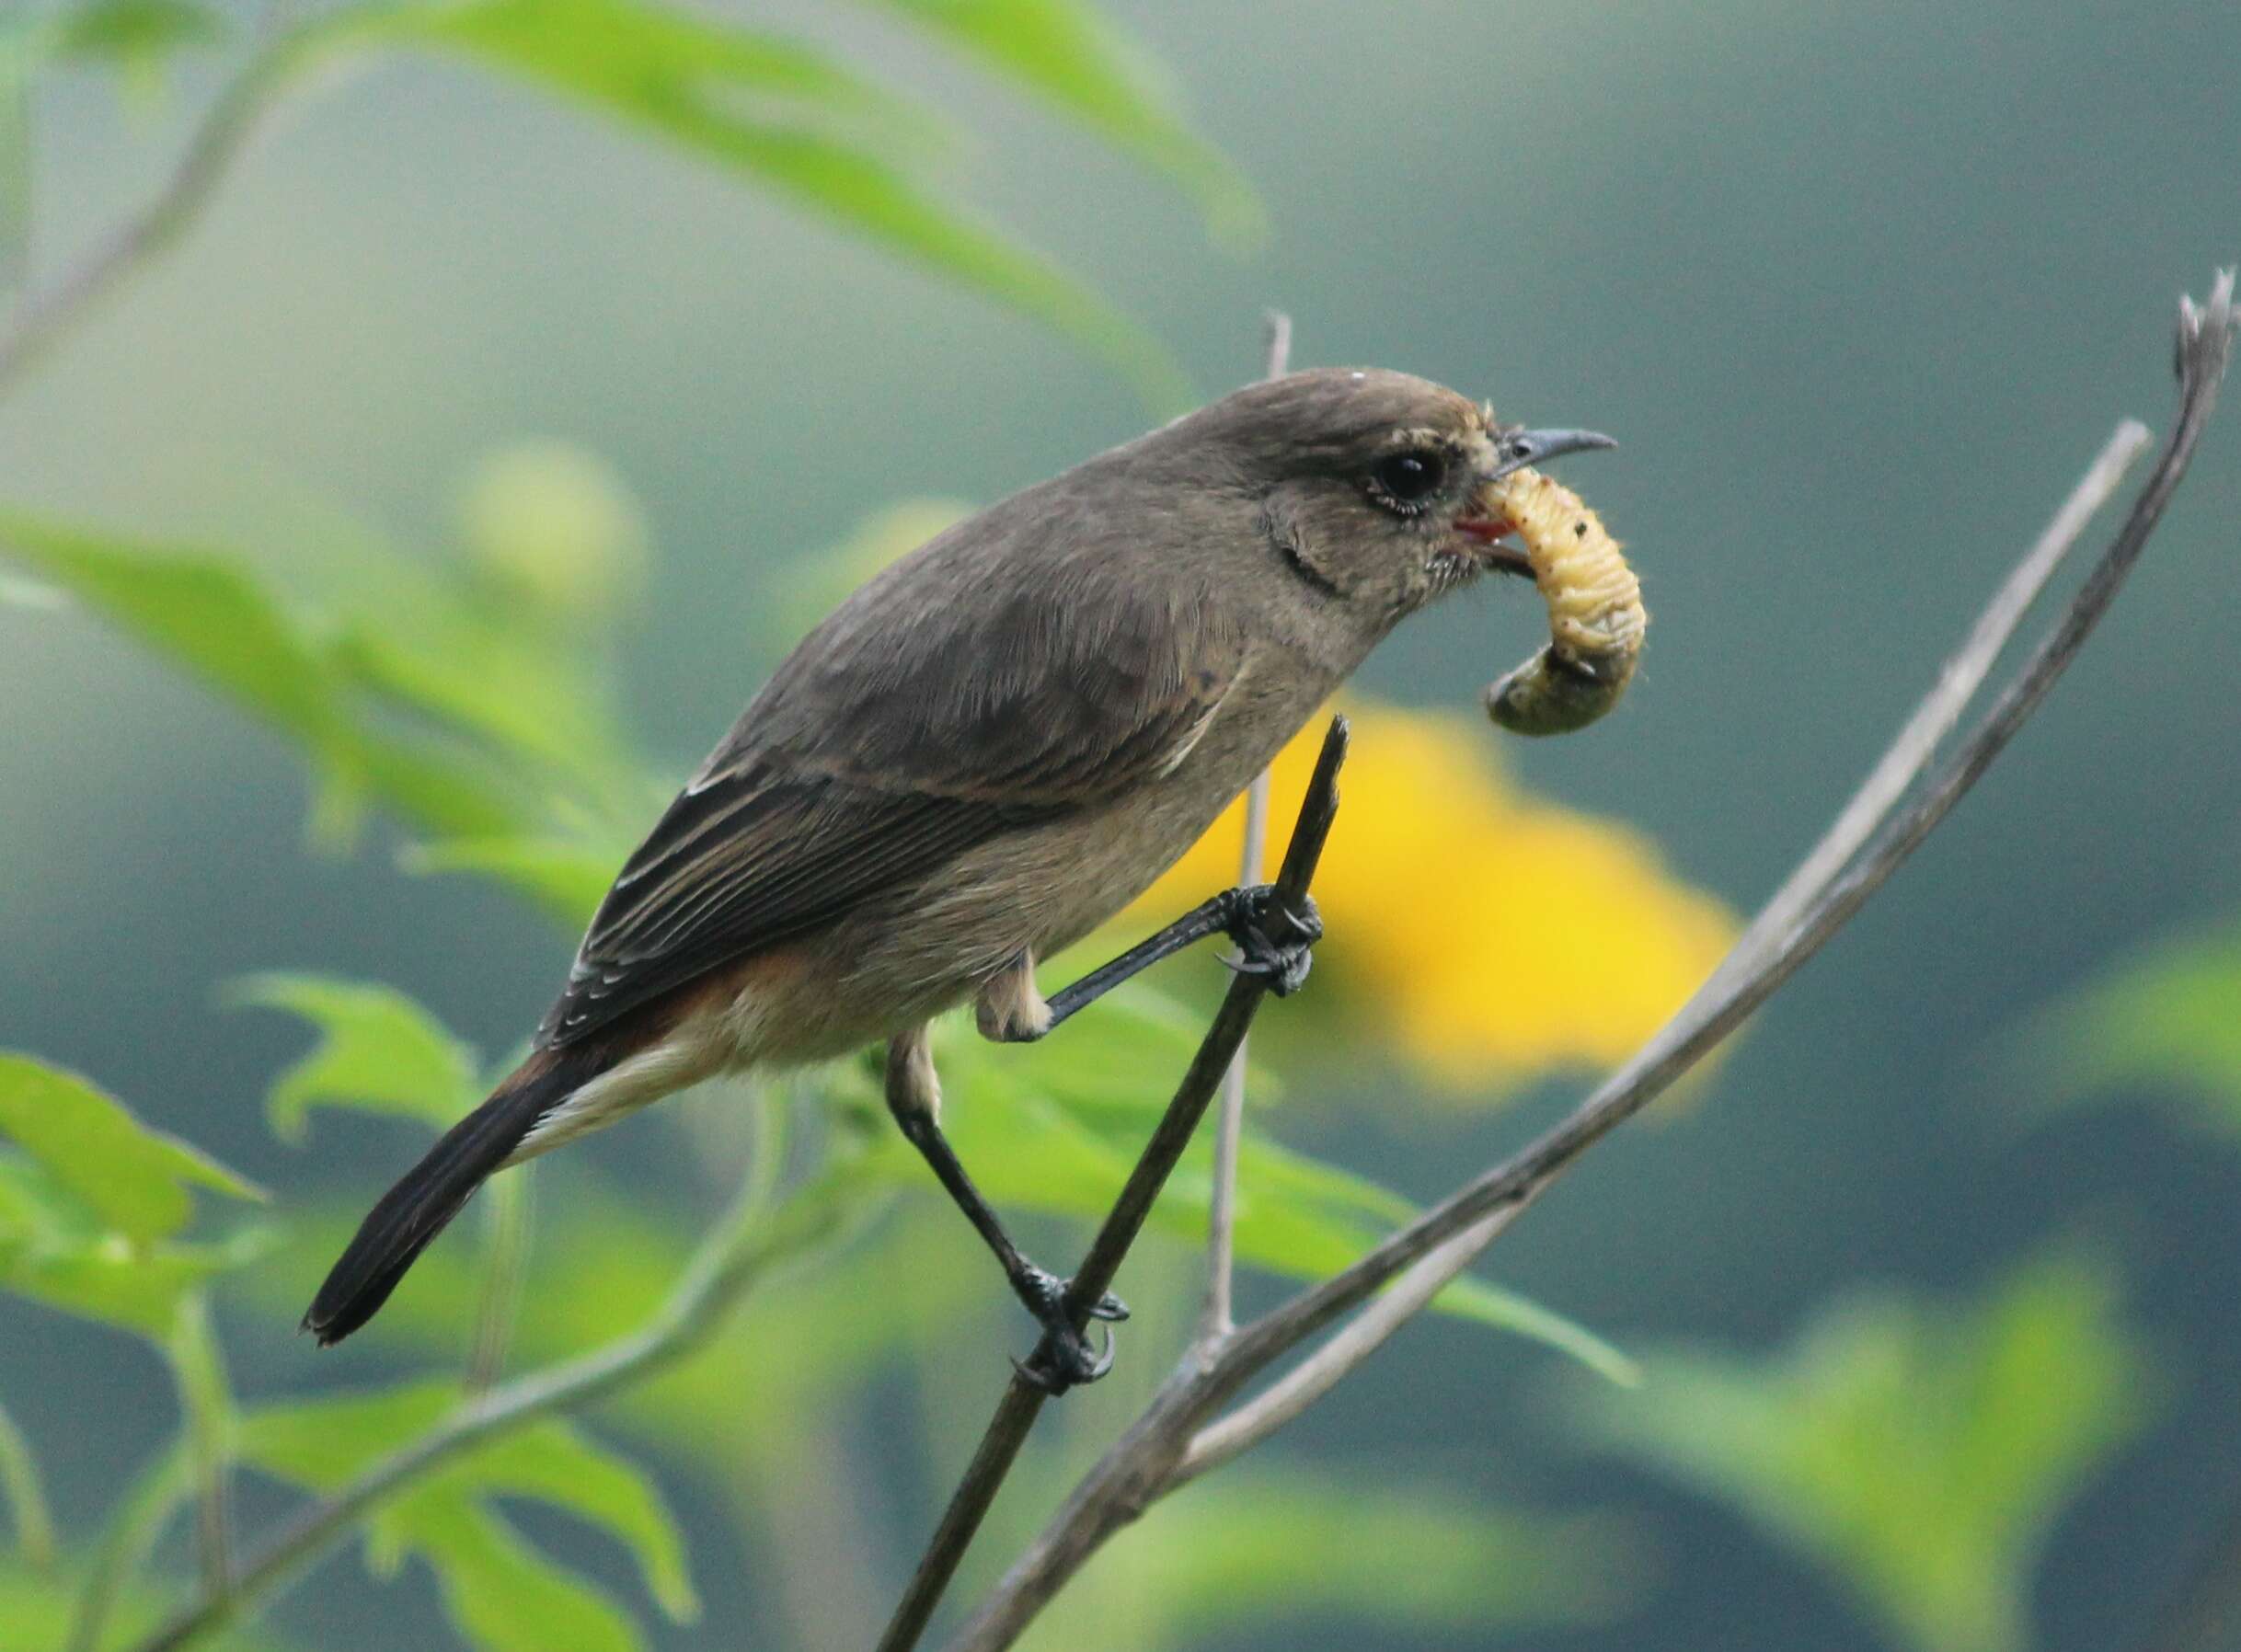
(1859, 289)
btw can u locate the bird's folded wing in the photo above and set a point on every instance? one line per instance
(846, 781)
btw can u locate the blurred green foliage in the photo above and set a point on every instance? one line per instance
(1919, 1453)
(2164, 1022)
(92, 1203)
(377, 1050)
(136, 34)
(775, 111)
(1259, 1545)
(40, 1614)
(502, 1591)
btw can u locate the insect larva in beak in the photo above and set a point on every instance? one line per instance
(1595, 614)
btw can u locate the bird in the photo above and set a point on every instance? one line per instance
(979, 758)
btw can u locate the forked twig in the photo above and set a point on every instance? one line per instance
(1182, 1431)
(1023, 1400)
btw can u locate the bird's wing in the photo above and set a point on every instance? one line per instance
(884, 749)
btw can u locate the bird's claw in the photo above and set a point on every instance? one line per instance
(1064, 1359)
(1273, 936)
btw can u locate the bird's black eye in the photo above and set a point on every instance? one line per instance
(1406, 480)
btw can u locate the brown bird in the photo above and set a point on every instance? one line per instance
(980, 756)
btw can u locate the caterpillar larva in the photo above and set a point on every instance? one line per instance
(1595, 614)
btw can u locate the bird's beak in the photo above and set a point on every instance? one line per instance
(1513, 449)
(1517, 449)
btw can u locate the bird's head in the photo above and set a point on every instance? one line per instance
(1369, 486)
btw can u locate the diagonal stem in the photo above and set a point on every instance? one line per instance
(45, 315)
(1723, 1005)
(1023, 1399)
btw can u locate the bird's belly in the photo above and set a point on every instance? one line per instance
(916, 951)
(1044, 888)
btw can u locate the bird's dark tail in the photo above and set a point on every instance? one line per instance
(414, 1212)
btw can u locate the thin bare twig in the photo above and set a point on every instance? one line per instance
(1174, 1439)
(1023, 1399)
(1214, 1321)
(1215, 1317)
(43, 317)
(1332, 1363)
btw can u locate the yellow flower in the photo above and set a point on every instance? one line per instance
(1491, 936)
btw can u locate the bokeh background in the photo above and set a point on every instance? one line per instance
(1860, 290)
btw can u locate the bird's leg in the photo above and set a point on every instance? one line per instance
(913, 1097)
(1272, 938)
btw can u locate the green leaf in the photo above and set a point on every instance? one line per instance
(210, 617)
(110, 1280)
(1275, 1183)
(324, 1443)
(1116, 1070)
(518, 699)
(86, 1212)
(555, 1464)
(136, 31)
(137, 1180)
(1069, 55)
(604, 1272)
(649, 62)
(1919, 1453)
(566, 877)
(35, 1207)
(1255, 1546)
(445, 792)
(500, 1591)
(774, 111)
(2163, 1022)
(439, 646)
(378, 1050)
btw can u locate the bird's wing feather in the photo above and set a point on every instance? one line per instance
(903, 733)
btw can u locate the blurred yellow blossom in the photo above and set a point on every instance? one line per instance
(1492, 936)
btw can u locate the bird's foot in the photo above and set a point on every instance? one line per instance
(1273, 936)
(1065, 1358)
